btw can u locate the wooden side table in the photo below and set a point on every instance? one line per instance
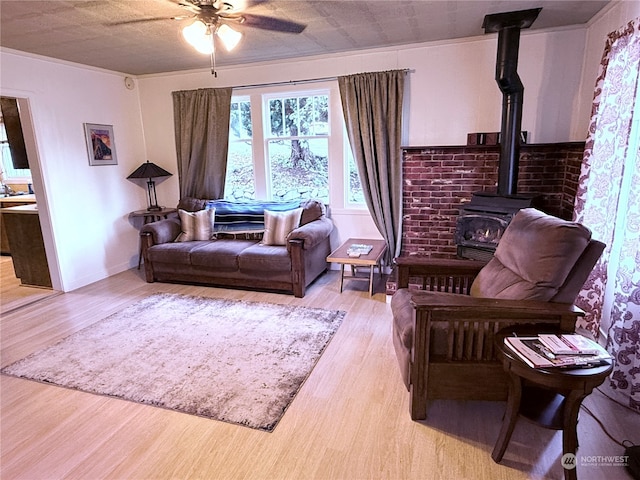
(371, 260)
(550, 397)
(149, 216)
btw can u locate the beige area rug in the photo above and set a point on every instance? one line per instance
(239, 362)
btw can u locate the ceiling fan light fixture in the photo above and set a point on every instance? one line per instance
(199, 36)
(229, 37)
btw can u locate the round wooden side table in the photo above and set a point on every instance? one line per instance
(550, 397)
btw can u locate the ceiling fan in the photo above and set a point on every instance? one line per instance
(214, 18)
(217, 11)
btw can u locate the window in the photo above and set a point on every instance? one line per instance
(240, 179)
(354, 193)
(284, 146)
(7, 172)
(297, 142)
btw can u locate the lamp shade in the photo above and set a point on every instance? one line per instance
(149, 170)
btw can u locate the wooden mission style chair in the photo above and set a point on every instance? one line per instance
(446, 312)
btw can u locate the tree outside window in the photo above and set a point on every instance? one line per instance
(297, 146)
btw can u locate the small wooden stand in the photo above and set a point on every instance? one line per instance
(371, 260)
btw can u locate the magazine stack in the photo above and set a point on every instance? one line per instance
(560, 351)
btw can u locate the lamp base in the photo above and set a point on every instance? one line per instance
(154, 208)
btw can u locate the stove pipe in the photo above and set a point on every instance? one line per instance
(508, 26)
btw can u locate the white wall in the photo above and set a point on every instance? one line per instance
(83, 209)
(453, 90)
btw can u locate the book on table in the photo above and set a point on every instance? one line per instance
(357, 249)
(569, 344)
(537, 355)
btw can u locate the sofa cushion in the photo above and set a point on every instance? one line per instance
(265, 258)
(174, 252)
(196, 225)
(534, 257)
(277, 225)
(221, 254)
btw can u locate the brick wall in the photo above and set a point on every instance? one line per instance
(438, 181)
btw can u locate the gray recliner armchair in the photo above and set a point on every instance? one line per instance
(446, 312)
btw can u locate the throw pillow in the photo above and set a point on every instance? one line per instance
(277, 225)
(196, 225)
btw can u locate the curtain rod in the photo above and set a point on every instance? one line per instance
(295, 82)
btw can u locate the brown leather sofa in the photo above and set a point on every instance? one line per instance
(239, 260)
(446, 312)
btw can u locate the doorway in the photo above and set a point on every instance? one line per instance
(20, 199)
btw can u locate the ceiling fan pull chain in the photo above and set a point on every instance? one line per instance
(213, 59)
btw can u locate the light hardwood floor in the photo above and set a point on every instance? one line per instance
(14, 295)
(350, 419)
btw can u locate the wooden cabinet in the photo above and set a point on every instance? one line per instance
(27, 246)
(6, 202)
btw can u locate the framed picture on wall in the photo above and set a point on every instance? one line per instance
(101, 145)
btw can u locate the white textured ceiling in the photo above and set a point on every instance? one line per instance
(80, 31)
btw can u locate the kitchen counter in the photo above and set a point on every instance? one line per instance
(17, 199)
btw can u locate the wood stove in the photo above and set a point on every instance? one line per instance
(483, 220)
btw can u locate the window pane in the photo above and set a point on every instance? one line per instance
(306, 115)
(275, 117)
(240, 176)
(6, 165)
(291, 117)
(240, 121)
(355, 194)
(299, 116)
(322, 108)
(240, 181)
(299, 169)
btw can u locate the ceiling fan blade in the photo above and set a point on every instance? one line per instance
(193, 8)
(139, 20)
(253, 3)
(270, 23)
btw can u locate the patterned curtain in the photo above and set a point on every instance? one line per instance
(372, 107)
(608, 202)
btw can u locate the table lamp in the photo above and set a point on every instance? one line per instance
(150, 170)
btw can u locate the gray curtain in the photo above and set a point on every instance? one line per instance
(201, 119)
(372, 105)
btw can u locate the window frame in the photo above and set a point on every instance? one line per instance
(338, 145)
